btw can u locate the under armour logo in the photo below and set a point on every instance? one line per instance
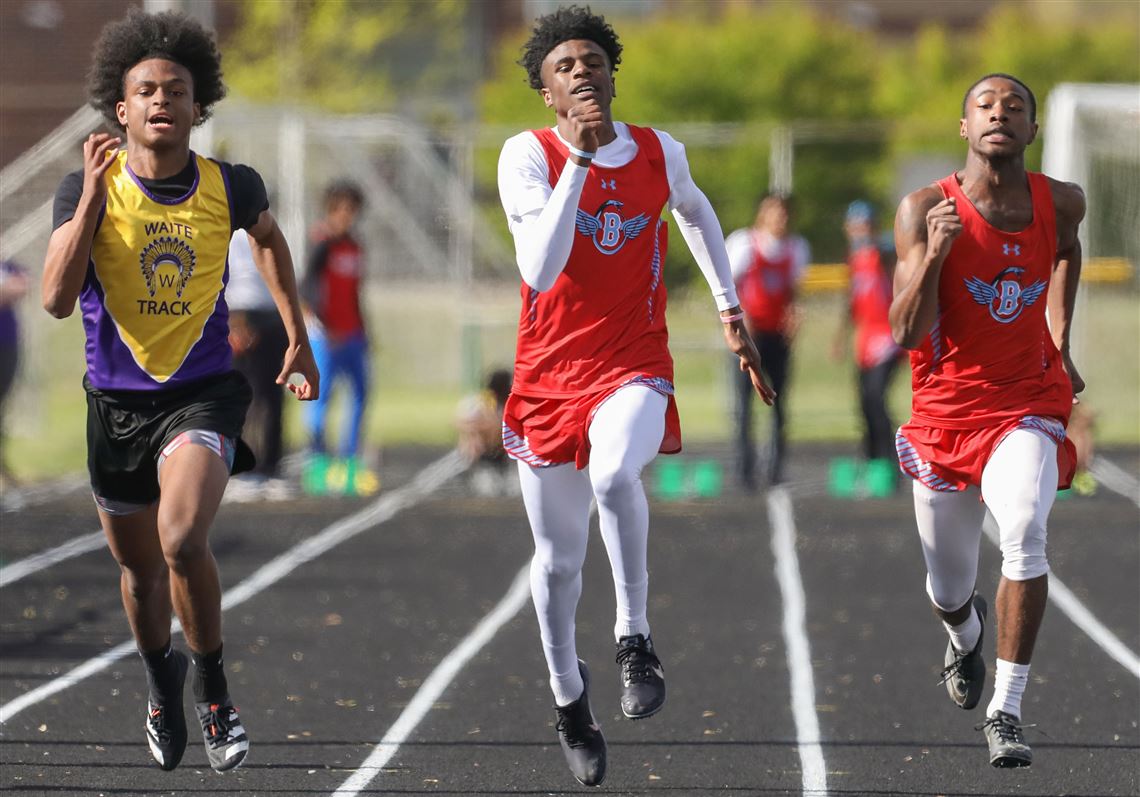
(1006, 249)
(612, 184)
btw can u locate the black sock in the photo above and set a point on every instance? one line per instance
(161, 672)
(209, 677)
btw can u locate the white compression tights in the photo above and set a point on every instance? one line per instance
(1019, 485)
(624, 436)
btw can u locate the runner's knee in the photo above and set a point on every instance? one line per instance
(1023, 554)
(949, 595)
(614, 483)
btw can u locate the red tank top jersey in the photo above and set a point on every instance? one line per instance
(603, 321)
(989, 356)
(340, 287)
(766, 290)
(870, 307)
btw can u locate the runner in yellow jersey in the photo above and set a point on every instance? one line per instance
(140, 241)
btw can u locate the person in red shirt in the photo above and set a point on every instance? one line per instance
(331, 290)
(985, 287)
(593, 381)
(768, 262)
(868, 307)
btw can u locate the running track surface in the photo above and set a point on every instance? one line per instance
(370, 638)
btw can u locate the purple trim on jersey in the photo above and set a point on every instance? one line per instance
(936, 342)
(658, 383)
(533, 305)
(518, 448)
(917, 468)
(165, 200)
(655, 265)
(1050, 427)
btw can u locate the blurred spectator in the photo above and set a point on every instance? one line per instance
(877, 355)
(331, 291)
(13, 287)
(479, 419)
(259, 341)
(768, 261)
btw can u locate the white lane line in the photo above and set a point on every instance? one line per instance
(1076, 611)
(1115, 478)
(435, 685)
(796, 640)
(384, 508)
(76, 546)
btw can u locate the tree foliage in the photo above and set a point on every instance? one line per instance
(784, 64)
(346, 56)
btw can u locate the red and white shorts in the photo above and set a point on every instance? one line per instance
(553, 431)
(948, 460)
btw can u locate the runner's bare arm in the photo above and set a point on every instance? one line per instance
(1069, 201)
(271, 255)
(69, 248)
(925, 228)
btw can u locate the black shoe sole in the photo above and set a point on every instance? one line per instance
(1009, 762)
(645, 716)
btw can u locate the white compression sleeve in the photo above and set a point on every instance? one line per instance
(557, 502)
(698, 224)
(543, 238)
(625, 436)
(950, 529)
(1019, 485)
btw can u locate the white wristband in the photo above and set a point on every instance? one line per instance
(581, 153)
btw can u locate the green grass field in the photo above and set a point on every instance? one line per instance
(426, 360)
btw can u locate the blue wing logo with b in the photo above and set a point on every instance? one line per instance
(1004, 296)
(607, 229)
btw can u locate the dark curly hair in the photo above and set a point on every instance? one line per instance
(139, 36)
(1012, 79)
(567, 24)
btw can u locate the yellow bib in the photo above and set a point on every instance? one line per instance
(161, 264)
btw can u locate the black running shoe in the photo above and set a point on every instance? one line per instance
(1007, 743)
(965, 673)
(166, 720)
(581, 738)
(226, 742)
(642, 677)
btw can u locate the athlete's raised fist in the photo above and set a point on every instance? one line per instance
(98, 155)
(942, 226)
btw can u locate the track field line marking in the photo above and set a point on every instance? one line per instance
(435, 685)
(76, 546)
(796, 640)
(1115, 478)
(441, 678)
(1076, 611)
(382, 509)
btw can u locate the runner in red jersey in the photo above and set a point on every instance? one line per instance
(984, 256)
(868, 311)
(593, 381)
(768, 262)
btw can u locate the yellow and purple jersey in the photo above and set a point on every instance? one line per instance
(153, 303)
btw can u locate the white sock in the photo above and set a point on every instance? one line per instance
(1009, 685)
(567, 688)
(965, 636)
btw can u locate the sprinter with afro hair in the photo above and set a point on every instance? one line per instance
(142, 36)
(165, 407)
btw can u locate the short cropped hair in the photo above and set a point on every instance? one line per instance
(139, 36)
(567, 24)
(1004, 76)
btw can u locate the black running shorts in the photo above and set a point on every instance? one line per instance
(127, 430)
